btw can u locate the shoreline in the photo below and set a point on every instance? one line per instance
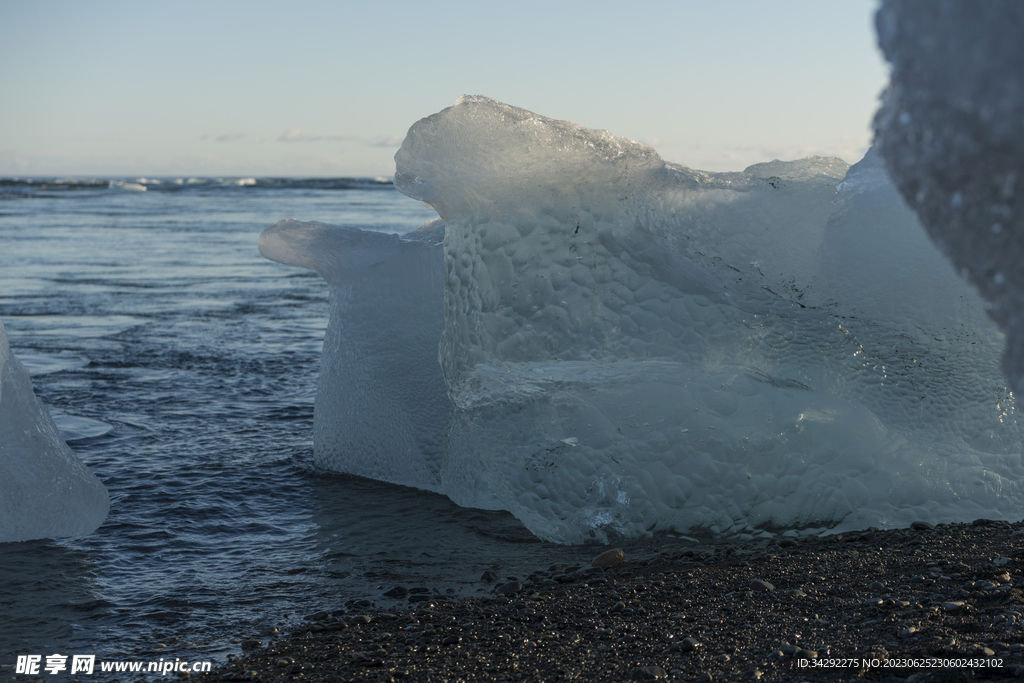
(876, 605)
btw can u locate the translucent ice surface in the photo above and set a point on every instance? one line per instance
(633, 346)
(381, 405)
(45, 490)
(630, 346)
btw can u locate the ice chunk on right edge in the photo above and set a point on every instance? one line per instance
(633, 346)
(950, 131)
(45, 490)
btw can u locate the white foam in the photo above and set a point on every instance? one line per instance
(126, 185)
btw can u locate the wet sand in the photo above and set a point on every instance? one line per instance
(919, 604)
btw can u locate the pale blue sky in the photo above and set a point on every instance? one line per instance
(330, 88)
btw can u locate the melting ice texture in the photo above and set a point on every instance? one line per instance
(381, 406)
(45, 490)
(629, 346)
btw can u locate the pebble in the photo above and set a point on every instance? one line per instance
(689, 644)
(761, 586)
(610, 558)
(501, 637)
(922, 526)
(649, 673)
(397, 592)
(251, 644)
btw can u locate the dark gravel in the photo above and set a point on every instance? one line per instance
(908, 601)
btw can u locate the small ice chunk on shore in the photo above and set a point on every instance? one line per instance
(45, 490)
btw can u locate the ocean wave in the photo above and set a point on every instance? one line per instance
(22, 186)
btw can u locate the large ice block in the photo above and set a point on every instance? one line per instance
(629, 346)
(632, 346)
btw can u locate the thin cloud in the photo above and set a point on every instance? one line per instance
(390, 141)
(849, 149)
(230, 137)
(737, 156)
(11, 159)
(659, 142)
(296, 135)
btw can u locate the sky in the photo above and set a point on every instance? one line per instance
(328, 89)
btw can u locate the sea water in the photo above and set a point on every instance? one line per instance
(181, 367)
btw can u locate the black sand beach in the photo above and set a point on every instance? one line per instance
(920, 604)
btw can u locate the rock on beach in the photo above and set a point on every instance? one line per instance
(610, 558)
